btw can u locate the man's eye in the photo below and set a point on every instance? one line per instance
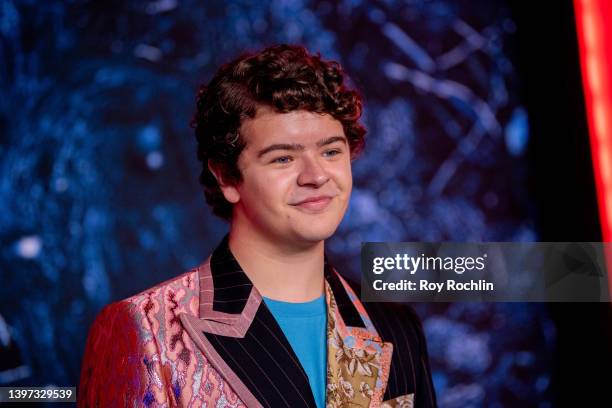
(332, 152)
(282, 160)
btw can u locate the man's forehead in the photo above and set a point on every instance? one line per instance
(296, 127)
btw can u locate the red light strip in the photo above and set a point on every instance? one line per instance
(593, 18)
(595, 42)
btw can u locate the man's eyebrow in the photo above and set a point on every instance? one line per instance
(280, 146)
(331, 140)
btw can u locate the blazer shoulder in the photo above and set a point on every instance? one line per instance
(122, 359)
(138, 316)
(171, 297)
(185, 282)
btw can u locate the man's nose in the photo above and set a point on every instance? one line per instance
(312, 173)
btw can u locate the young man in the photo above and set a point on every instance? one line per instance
(265, 321)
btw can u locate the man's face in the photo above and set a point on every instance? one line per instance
(296, 176)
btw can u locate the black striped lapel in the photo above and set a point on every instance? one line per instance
(265, 363)
(349, 313)
(243, 340)
(230, 284)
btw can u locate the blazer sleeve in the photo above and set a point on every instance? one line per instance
(121, 365)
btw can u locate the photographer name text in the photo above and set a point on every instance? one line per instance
(425, 285)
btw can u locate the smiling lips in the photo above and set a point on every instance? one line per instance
(318, 203)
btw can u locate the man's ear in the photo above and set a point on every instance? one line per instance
(229, 190)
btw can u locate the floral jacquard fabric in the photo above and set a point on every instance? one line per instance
(357, 365)
(405, 401)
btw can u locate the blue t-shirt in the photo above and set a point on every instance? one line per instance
(304, 325)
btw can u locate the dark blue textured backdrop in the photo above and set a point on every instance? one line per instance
(98, 177)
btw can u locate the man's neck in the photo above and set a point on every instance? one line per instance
(280, 272)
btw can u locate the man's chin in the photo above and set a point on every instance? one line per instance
(314, 236)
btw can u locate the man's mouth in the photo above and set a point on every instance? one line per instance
(317, 203)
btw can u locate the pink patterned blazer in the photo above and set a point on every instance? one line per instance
(206, 339)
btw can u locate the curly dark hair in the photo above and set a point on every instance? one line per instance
(283, 77)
